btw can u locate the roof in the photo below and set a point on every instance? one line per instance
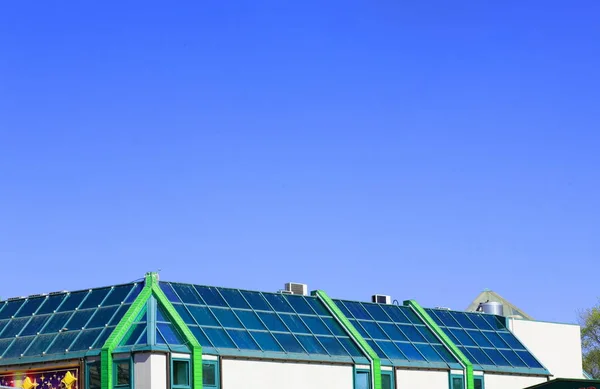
(490, 296)
(566, 383)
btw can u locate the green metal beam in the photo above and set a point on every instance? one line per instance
(446, 340)
(355, 335)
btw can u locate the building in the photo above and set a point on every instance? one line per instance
(165, 335)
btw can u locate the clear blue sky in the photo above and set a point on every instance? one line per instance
(425, 150)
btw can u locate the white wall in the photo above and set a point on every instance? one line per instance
(150, 371)
(556, 346)
(426, 379)
(496, 381)
(238, 374)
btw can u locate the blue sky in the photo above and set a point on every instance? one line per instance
(425, 150)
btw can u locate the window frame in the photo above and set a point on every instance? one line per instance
(215, 363)
(392, 375)
(115, 373)
(452, 377)
(480, 378)
(87, 372)
(361, 371)
(189, 371)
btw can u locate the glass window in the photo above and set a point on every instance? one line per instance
(102, 317)
(316, 325)
(377, 312)
(373, 329)
(185, 315)
(395, 313)
(257, 301)
(266, 341)
(300, 304)
(95, 298)
(72, 301)
(478, 382)
(219, 338)
(463, 319)
(204, 342)
(226, 318)
(457, 382)
(210, 374)
(430, 354)
(272, 321)
(10, 308)
(243, 339)
(481, 340)
(289, 343)
(317, 306)
(169, 333)
(362, 380)
(122, 373)
(357, 310)
(250, 320)
(311, 344)
(234, 298)
(34, 326)
(17, 348)
(211, 296)
(86, 340)
(391, 350)
(294, 323)
(30, 307)
(118, 295)
(169, 292)
(79, 319)
(387, 380)
(51, 304)
(93, 375)
(181, 373)
(187, 294)
(393, 332)
(412, 333)
(278, 302)
(39, 345)
(203, 316)
(410, 351)
(62, 342)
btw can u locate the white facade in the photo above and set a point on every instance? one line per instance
(556, 346)
(430, 379)
(150, 371)
(498, 381)
(245, 374)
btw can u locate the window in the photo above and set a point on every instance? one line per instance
(479, 382)
(210, 374)
(362, 379)
(457, 382)
(122, 373)
(180, 373)
(93, 375)
(387, 379)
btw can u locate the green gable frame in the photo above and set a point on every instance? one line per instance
(355, 335)
(470, 380)
(151, 288)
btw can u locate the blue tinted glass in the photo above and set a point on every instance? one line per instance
(411, 315)
(278, 302)
(429, 353)
(479, 321)
(513, 358)
(428, 334)
(359, 328)
(30, 307)
(117, 295)
(344, 310)
(39, 345)
(529, 360)
(56, 323)
(102, 317)
(266, 341)
(86, 339)
(334, 326)
(226, 317)
(463, 320)
(478, 337)
(103, 337)
(410, 351)
(234, 298)
(95, 298)
(311, 344)
(332, 345)
(289, 343)
(185, 315)
(160, 316)
(211, 296)
(72, 301)
(18, 347)
(447, 319)
(511, 340)
(14, 327)
(393, 332)
(445, 354)
(169, 292)
(51, 304)
(462, 337)
(34, 326)
(395, 313)
(412, 333)
(272, 322)
(219, 338)
(318, 307)
(391, 350)
(144, 338)
(494, 321)
(203, 316)
(496, 357)
(316, 325)
(133, 335)
(134, 293)
(256, 300)
(3, 324)
(451, 336)
(376, 348)
(435, 318)
(373, 330)
(480, 357)
(10, 308)
(79, 319)
(199, 334)
(495, 339)
(299, 304)
(119, 315)
(357, 310)
(187, 294)
(62, 342)
(169, 333)
(377, 312)
(243, 339)
(350, 347)
(294, 323)
(250, 320)
(362, 380)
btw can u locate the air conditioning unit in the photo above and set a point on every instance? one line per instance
(295, 288)
(381, 299)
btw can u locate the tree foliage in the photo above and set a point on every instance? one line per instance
(590, 340)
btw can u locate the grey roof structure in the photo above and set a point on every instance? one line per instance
(510, 310)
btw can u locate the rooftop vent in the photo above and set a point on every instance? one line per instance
(283, 291)
(381, 299)
(295, 288)
(443, 308)
(59, 292)
(491, 307)
(38, 295)
(16, 298)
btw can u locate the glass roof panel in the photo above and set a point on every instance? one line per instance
(317, 306)
(200, 336)
(234, 298)
(299, 304)
(62, 342)
(72, 301)
(251, 321)
(14, 327)
(10, 308)
(266, 341)
(243, 339)
(211, 296)
(102, 317)
(39, 345)
(227, 318)
(30, 307)
(294, 323)
(86, 339)
(18, 347)
(51, 304)
(35, 325)
(278, 302)
(95, 298)
(118, 295)
(256, 300)
(187, 294)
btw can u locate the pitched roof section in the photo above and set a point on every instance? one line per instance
(510, 310)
